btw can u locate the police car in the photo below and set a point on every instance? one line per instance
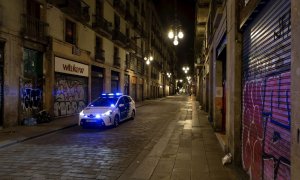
(107, 110)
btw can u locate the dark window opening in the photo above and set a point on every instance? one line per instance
(70, 33)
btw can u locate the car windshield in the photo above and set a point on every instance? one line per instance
(107, 101)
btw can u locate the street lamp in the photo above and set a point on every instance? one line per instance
(169, 74)
(148, 59)
(189, 79)
(185, 69)
(175, 33)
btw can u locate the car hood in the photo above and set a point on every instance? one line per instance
(98, 110)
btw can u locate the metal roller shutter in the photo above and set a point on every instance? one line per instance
(266, 120)
(70, 94)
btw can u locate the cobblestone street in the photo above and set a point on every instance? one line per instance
(89, 153)
(170, 138)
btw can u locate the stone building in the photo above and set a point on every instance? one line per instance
(59, 55)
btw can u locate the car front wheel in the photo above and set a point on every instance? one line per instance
(133, 114)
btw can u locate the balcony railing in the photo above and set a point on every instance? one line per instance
(119, 38)
(139, 51)
(119, 6)
(78, 9)
(34, 29)
(100, 55)
(127, 63)
(117, 61)
(138, 27)
(102, 26)
(131, 46)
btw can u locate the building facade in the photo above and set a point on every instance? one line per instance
(246, 66)
(60, 55)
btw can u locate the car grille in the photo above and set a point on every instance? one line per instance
(92, 122)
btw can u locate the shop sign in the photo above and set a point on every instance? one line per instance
(71, 67)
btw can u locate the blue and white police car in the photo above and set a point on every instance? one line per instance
(107, 110)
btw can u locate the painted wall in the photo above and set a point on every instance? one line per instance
(266, 143)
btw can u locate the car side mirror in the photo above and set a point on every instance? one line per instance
(121, 105)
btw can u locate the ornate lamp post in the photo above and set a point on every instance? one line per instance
(175, 33)
(148, 59)
(185, 69)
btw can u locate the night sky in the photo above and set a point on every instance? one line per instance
(186, 16)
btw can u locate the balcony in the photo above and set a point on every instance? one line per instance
(119, 6)
(138, 27)
(34, 29)
(102, 26)
(100, 55)
(131, 46)
(117, 61)
(78, 9)
(127, 64)
(119, 38)
(139, 52)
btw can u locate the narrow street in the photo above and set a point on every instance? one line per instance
(165, 140)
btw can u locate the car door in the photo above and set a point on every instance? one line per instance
(127, 106)
(122, 108)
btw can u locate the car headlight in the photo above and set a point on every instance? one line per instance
(107, 113)
(81, 113)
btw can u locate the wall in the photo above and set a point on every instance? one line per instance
(295, 90)
(233, 88)
(13, 54)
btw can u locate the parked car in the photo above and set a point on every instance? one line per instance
(107, 110)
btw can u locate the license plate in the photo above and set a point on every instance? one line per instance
(91, 120)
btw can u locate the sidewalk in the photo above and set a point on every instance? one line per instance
(188, 150)
(13, 135)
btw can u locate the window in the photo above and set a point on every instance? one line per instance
(116, 52)
(34, 9)
(70, 33)
(117, 22)
(99, 44)
(99, 8)
(33, 63)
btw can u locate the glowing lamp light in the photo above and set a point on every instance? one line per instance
(175, 42)
(180, 34)
(147, 62)
(171, 34)
(151, 58)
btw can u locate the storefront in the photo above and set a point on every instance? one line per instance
(134, 88)
(71, 87)
(126, 84)
(140, 89)
(97, 82)
(31, 85)
(115, 81)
